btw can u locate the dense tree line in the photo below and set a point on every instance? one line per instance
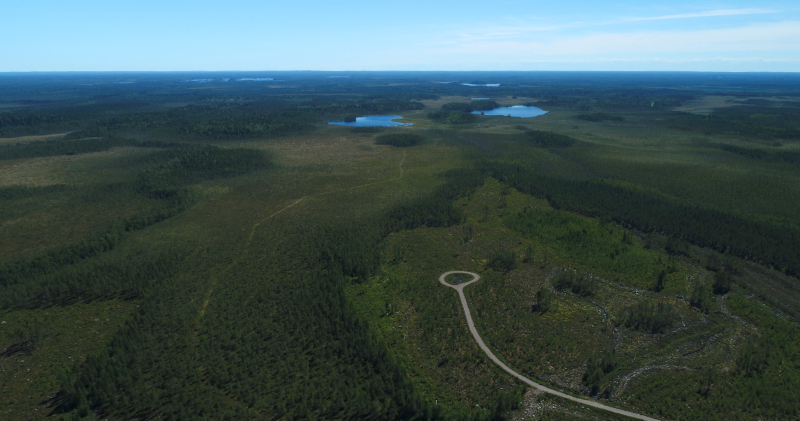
(544, 139)
(648, 211)
(400, 140)
(189, 164)
(468, 107)
(588, 99)
(577, 283)
(114, 277)
(598, 117)
(773, 123)
(647, 316)
(502, 261)
(74, 144)
(58, 147)
(243, 126)
(21, 191)
(701, 297)
(452, 117)
(19, 124)
(598, 368)
(202, 119)
(544, 300)
(366, 130)
(792, 157)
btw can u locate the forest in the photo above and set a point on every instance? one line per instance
(177, 249)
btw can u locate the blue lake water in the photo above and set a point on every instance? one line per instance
(479, 99)
(256, 79)
(522, 111)
(494, 85)
(372, 121)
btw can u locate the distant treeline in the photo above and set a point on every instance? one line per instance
(468, 107)
(20, 124)
(767, 123)
(452, 117)
(212, 120)
(20, 192)
(618, 99)
(598, 117)
(748, 238)
(544, 139)
(461, 112)
(74, 145)
(792, 157)
(58, 147)
(401, 140)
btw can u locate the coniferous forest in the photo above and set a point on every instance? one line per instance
(190, 246)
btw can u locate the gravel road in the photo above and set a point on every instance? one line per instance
(475, 278)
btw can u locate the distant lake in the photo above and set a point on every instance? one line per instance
(479, 99)
(256, 79)
(372, 121)
(482, 84)
(522, 111)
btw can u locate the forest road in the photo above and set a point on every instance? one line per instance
(593, 404)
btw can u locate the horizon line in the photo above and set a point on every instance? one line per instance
(400, 71)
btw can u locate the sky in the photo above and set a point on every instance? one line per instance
(164, 35)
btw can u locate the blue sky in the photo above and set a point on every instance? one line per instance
(89, 35)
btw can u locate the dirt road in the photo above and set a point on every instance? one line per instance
(476, 277)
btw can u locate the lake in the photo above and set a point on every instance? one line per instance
(494, 85)
(522, 111)
(372, 121)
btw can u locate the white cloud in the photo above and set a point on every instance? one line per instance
(706, 14)
(509, 32)
(781, 36)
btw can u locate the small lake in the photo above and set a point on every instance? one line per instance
(480, 99)
(494, 85)
(522, 111)
(373, 121)
(256, 79)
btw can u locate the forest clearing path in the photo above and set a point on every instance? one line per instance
(253, 230)
(214, 280)
(482, 345)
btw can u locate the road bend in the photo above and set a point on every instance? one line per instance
(593, 404)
